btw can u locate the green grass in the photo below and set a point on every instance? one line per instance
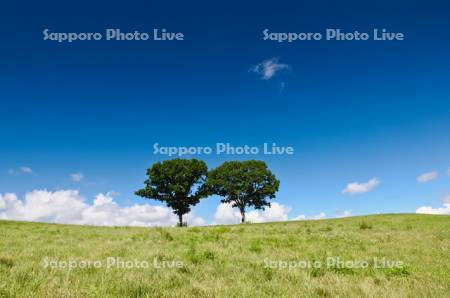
(229, 261)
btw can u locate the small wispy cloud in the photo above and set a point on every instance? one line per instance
(269, 68)
(425, 177)
(20, 170)
(76, 177)
(26, 170)
(356, 188)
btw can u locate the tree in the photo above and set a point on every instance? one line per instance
(178, 182)
(243, 184)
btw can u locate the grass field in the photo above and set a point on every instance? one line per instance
(230, 261)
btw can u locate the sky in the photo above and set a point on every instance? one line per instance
(369, 121)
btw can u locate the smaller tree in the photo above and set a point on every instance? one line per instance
(243, 184)
(179, 183)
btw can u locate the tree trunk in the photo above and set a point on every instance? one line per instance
(180, 220)
(242, 215)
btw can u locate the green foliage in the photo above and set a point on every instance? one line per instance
(268, 273)
(179, 183)
(243, 184)
(341, 270)
(140, 237)
(403, 271)
(222, 230)
(317, 272)
(200, 257)
(164, 234)
(6, 263)
(326, 229)
(365, 226)
(255, 246)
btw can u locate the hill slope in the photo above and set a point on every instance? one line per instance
(385, 255)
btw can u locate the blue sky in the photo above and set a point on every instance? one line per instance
(353, 110)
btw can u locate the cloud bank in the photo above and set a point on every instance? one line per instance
(226, 214)
(445, 209)
(69, 207)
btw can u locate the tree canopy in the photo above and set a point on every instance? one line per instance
(243, 184)
(179, 183)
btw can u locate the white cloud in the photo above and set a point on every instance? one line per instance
(276, 212)
(445, 209)
(193, 220)
(21, 170)
(76, 177)
(226, 214)
(425, 177)
(320, 216)
(300, 217)
(346, 213)
(430, 210)
(269, 68)
(356, 188)
(68, 206)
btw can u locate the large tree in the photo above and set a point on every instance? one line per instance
(179, 183)
(243, 184)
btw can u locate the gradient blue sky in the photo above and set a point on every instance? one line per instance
(352, 110)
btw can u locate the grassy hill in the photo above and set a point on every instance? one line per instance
(252, 260)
